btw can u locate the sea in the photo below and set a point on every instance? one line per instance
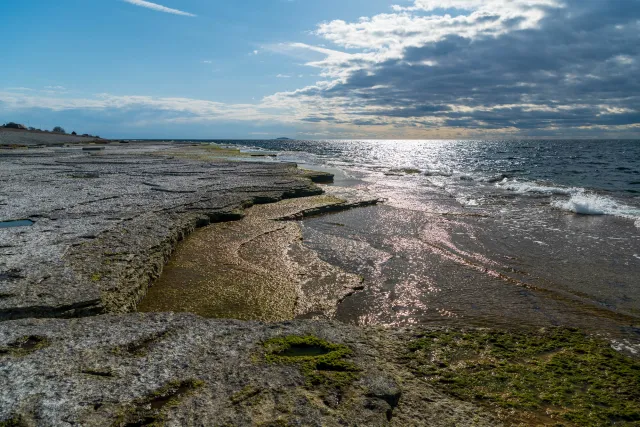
(503, 233)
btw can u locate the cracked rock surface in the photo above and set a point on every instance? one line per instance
(105, 223)
(183, 370)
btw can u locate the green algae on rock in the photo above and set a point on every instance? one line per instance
(207, 152)
(14, 422)
(245, 394)
(321, 362)
(240, 387)
(318, 177)
(552, 377)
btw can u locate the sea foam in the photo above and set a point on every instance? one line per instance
(524, 187)
(585, 203)
(580, 201)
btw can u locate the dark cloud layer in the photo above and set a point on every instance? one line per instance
(579, 67)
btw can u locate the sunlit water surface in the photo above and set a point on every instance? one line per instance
(531, 233)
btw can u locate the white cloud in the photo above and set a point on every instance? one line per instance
(371, 41)
(282, 108)
(159, 8)
(624, 59)
(388, 34)
(418, 73)
(19, 89)
(430, 5)
(183, 110)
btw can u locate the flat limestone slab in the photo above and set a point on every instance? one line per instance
(183, 370)
(106, 222)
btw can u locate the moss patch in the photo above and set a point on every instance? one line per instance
(24, 346)
(247, 393)
(554, 376)
(13, 422)
(321, 362)
(151, 410)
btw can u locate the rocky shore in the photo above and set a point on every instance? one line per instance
(185, 370)
(86, 232)
(105, 223)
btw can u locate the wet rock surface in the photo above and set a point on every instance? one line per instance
(254, 269)
(185, 370)
(106, 223)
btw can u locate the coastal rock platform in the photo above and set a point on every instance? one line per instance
(87, 232)
(101, 225)
(84, 234)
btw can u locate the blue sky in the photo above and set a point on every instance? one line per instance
(324, 69)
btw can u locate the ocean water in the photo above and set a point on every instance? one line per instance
(482, 233)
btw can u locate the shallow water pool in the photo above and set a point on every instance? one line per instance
(19, 223)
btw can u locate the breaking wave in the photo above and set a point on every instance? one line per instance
(593, 204)
(580, 201)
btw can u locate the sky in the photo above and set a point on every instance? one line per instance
(316, 69)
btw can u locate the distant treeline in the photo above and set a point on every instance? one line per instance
(57, 129)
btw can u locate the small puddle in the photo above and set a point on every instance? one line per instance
(19, 223)
(303, 350)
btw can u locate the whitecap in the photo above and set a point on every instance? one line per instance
(585, 203)
(495, 178)
(580, 200)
